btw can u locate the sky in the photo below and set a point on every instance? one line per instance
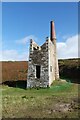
(22, 21)
(40, 0)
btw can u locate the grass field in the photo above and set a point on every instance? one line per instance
(58, 101)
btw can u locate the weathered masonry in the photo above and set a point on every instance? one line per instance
(43, 62)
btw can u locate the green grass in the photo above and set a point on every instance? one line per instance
(58, 101)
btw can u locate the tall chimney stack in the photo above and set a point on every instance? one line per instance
(53, 39)
(52, 34)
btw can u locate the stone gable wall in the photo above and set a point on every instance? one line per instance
(45, 57)
(38, 57)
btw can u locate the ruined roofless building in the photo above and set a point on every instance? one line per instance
(43, 62)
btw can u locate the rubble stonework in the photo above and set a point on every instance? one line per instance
(44, 60)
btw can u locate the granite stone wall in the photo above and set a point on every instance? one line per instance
(38, 56)
(45, 57)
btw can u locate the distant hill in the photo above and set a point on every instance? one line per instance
(13, 71)
(70, 69)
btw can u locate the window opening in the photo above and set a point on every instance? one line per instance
(51, 68)
(38, 71)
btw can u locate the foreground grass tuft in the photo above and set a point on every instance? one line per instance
(58, 101)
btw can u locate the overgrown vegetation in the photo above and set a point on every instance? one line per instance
(58, 101)
(70, 69)
(13, 71)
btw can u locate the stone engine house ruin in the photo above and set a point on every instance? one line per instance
(43, 62)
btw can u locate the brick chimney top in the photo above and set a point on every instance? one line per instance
(52, 34)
